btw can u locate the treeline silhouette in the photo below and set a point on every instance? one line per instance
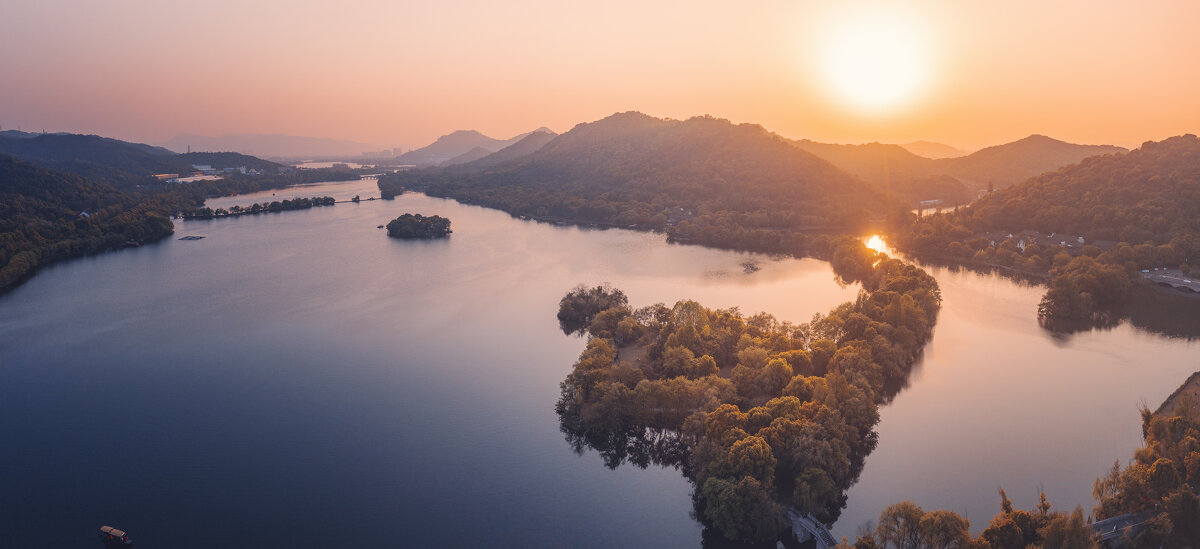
(259, 207)
(759, 414)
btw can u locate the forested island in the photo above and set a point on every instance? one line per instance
(419, 226)
(760, 415)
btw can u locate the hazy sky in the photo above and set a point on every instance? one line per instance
(400, 73)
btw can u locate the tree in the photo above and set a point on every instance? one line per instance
(1065, 531)
(945, 530)
(742, 510)
(900, 526)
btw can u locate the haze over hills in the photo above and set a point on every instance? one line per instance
(469, 156)
(527, 145)
(448, 148)
(98, 158)
(1149, 194)
(631, 169)
(115, 162)
(1011, 163)
(269, 145)
(954, 180)
(929, 149)
(894, 169)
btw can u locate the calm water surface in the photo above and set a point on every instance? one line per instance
(301, 380)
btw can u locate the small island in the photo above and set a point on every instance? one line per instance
(419, 226)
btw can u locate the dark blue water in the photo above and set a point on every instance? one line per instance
(301, 380)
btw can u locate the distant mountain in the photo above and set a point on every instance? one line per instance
(269, 145)
(894, 169)
(114, 162)
(532, 142)
(705, 176)
(459, 143)
(876, 163)
(469, 156)
(18, 134)
(929, 149)
(1148, 194)
(101, 159)
(139, 146)
(221, 160)
(1012, 163)
(916, 178)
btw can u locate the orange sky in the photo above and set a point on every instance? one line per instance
(401, 73)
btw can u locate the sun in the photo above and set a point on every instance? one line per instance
(876, 61)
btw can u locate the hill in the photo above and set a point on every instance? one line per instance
(1012, 163)
(269, 145)
(98, 158)
(1148, 194)
(46, 216)
(530, 144)
(221, 160)
(893, 169)
(929, 149)
(708, 180)
(1089, 228)
(469, 156)
(459, 147)
(953, 180)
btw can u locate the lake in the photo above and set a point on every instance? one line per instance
(301, 380)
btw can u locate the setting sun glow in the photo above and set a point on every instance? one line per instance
(875, 62)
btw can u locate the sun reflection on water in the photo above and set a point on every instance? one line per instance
(875, 242)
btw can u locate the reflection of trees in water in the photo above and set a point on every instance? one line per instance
(619, 443)
(1155, 310)
(1160, 312)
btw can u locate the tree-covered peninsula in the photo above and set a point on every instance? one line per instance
(419, 226)
(760, 415)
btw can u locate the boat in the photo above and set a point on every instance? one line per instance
(112, 536)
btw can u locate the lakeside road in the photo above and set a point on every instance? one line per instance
(1185, 400)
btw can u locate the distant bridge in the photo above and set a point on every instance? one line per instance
(805, 527)
(369, 176)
